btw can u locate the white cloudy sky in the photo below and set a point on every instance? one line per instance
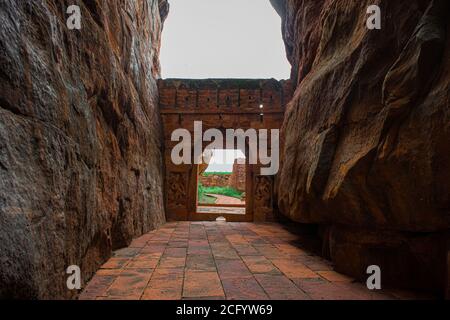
(223, 39)
(223, 160)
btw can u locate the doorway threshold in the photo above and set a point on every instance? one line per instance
(221, 210)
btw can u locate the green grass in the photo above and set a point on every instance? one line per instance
(205, 199)
(205, 174)
(202, 197)
(224, 191)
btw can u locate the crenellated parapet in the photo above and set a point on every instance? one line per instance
(225, 96)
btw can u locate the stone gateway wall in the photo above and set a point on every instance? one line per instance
(80, 138)
(218, 103)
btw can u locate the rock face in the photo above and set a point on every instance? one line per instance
(80, 138)
(366, 137)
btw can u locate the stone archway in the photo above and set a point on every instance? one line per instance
(223, 104)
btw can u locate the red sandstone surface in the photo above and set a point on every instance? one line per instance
(80, 138)
(366, 153)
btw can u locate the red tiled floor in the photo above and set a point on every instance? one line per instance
(108, 272)
(224, 251)
(333, 276)
(143, 264)
(153, 248)
(198, 284)
(175, 252)
(178, 244)
(130, 284)
(141, 241)
(165, 284)
(259, 264)
(291, 249)
(270, 251)
(208, 260)
(294, 269)
(203, 262)
(127, 252)
(97, 287)
(232, 269)
(320, 289)
(246, 250)
(237, 288)
(116, 263)
(279, 287)
(316, 263)
(172, 262)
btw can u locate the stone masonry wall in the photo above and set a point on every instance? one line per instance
(218, 103)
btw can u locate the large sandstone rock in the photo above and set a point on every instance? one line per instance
(366, 136)
(80, 138)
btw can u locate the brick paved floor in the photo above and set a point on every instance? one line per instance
(209, 260)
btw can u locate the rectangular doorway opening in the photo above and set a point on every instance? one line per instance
(221, 183)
